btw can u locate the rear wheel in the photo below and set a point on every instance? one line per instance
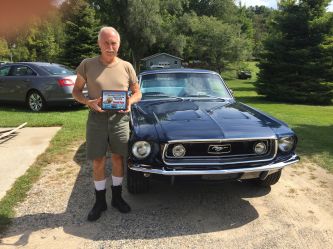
(137, 182)
(270, 179)
(35, 101)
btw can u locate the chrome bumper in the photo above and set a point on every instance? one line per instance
(268, 167)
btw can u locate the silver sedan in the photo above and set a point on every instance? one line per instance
(37, 84)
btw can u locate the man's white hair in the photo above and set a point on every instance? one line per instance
(108, 29)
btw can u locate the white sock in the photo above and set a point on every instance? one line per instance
(116, 181)
(100, 185)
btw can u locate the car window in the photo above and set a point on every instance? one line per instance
(183, 85)
(197, 85)
(216, 87)
(4, 71)
(162, 85)
(22, 71)
(58, 70)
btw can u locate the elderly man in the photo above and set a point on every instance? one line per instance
(106, 128)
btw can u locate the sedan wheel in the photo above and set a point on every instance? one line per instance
(35, 101)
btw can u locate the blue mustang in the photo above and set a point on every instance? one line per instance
(188, 123)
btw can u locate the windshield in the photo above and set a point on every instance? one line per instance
(170, 85)
(58, 70)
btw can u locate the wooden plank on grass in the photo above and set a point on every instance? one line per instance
(12, 131)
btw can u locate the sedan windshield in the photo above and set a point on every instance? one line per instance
(58, 70)
(173, 85)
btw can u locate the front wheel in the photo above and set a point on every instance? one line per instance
(137, 182)
(270, 179)
(35, 101)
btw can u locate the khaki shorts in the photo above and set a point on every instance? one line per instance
(107, 130)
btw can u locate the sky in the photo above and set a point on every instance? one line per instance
(271, 3)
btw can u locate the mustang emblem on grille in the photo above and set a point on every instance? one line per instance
(219, 149)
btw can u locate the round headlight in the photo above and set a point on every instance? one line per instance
(141, 149)
(260, 148)
(179, 150)
(286, 143)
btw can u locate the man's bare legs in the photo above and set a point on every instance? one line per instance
(99, 169)
(117, 165)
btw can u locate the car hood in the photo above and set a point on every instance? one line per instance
(206, 119)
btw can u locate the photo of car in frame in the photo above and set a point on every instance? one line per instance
(114, 100)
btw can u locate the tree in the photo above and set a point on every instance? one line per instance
(215, 43)
(81, 29)
(171, 38)
(261, 17)
(225, 10)
(297, 63)
(41, 42)
(4, 50)
(38, 42)
(138, 22)
(173, 26)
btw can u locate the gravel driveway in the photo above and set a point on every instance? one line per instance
(295, 213)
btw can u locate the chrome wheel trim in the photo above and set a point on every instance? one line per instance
(35, 102)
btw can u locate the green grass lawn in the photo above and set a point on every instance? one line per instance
(312, 124)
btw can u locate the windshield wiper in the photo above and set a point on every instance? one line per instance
(204, 96)
(165, 100)
(155, 94)
(160, 95)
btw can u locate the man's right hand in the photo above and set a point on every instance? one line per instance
(95, 104)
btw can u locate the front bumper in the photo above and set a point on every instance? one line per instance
(270, 168)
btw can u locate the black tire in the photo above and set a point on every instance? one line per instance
(136, 182)
(270, 179)
(35, 101)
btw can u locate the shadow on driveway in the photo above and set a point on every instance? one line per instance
(185, 208)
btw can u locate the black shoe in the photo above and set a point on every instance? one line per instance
(99, 207)
(117, 200)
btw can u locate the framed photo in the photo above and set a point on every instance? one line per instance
(114, 100)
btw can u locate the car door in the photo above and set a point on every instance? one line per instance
(21, 77)
(4, 81)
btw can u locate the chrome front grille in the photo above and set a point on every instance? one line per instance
(219, 152)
